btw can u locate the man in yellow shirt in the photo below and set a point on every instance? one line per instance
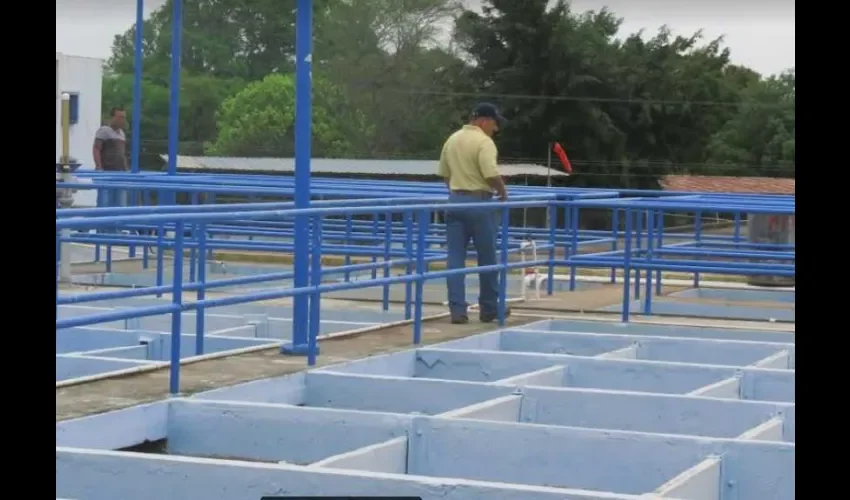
(468, 165)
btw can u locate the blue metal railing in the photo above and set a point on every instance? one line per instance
(401, 232)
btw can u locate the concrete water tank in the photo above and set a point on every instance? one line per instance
(775, 229)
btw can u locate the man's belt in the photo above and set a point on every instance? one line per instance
(483, 194)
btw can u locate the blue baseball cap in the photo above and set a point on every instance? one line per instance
(487, 110)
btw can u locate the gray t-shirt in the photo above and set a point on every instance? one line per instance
(113, 153)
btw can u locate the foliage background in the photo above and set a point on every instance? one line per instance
(393, 78)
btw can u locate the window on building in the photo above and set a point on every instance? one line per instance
(74, 106)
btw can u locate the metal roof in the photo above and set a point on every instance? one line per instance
(341, 166)
(726, 184)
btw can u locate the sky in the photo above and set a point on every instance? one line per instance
(759, 33)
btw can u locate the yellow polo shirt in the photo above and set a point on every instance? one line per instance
(468, 160)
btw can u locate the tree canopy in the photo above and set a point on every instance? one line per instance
(393, 78)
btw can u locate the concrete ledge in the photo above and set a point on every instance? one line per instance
(700, 482)
(768, 431)
(782, 360)
(504, 409)
(552, 376)
(276, 432)
(658, 329)
(509, 414)
(729, 388)
(630, 352)
(565, 457)
(635, 462)
(389, 456)
(107, 475)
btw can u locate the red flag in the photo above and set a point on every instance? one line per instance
(562, 155)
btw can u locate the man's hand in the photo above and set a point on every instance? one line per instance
(503, 196)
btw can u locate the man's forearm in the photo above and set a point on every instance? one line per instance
(498, 185)
(96, 156)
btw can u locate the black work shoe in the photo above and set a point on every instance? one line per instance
(460, 320)
(491, 317)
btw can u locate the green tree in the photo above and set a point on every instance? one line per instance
(223, 38)
(760, 138)
(259, 120)
(201, 96)
(627, 111)
(387, 57)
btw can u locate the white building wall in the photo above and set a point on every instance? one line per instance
(83, 76)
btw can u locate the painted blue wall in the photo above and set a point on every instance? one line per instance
(699, 351)
(258, 431)
(467, 410)
(288, 389)
(629, 375)
(659, 413)
(742, 295)
(567, 457)
(89, 339)
(158, 347)
(400, 364)
(68, 367)
(670, 306)
(378, 393)
(659, 330)
(115, 429)
(111, 475)
(138, 352)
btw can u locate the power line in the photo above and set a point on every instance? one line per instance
(633, 164)
(555, 98)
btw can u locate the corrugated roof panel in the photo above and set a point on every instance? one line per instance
(341, 166)
(727, 184)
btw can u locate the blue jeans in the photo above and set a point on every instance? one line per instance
(120, 198)
(479, 225)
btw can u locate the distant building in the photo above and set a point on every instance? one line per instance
(411, 169)
(82, 78)
(727, 184)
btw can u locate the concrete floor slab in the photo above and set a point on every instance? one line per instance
(650, 396)
(649, 416)
(677, 308)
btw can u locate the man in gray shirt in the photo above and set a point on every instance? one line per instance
(110, 151)
(110, 144)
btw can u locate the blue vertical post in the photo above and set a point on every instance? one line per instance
(177, 314)
(137, 90)
(422, 222)
(388, 233)
(638, 247)
(375, 238)
(573, 211)
(502, 307)
(174, 86)
(201, 235)
(553, 228)
(737, 234)
(408, 256)
(160, 260)
(697, 241)
(193, 253)
(659, 246)
(146, 201)
(615, 235)
(58, 259)
(627, 264)
(315, 296)
(650, 237)
(303, 126)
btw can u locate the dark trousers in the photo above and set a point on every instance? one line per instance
(480, 226)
